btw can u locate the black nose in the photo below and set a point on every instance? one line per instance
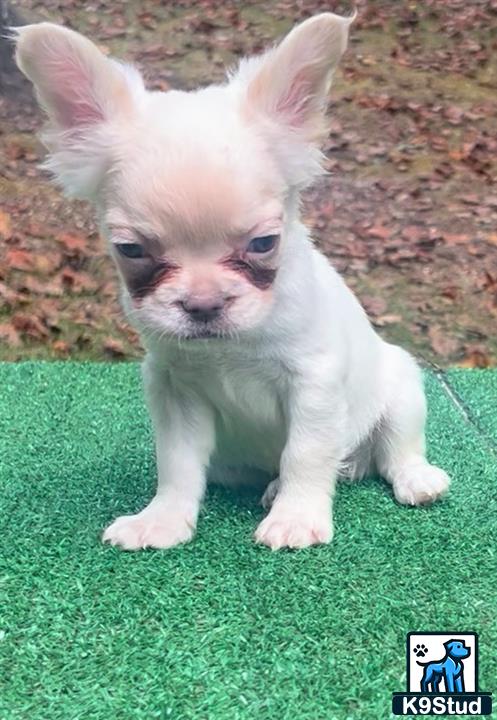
(203, 310)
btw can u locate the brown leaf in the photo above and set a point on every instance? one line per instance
(379, 231)
(19, 259)
(414, 233)
(39, 287)
(456, 239)
(73, 244)
(9, 296)
(61, 347)
(451, 292)
(47, 263)
(475, 357)
(10, 335)
(5, 225)
(78, 282)
(453, 114)
(36, 229)
(114, 348)
(374, 305)
(29, 325)
(442, 343)
(383, 320)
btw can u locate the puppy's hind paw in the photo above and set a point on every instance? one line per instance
(420, 484)
(150, 528)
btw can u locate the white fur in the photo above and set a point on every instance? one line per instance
(297, 382)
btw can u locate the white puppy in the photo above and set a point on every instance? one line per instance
(257, 353)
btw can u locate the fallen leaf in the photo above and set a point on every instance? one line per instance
(78, 282)
(5, 225)
(383, 320)
(39, 287)
(456, 238)
(379, 231)
(10, 335)
(442, 343)
(414, 233)
(36, 229)
(475, 357)
(373, 305)
(19, 259)
(9, 296)
(451, 292)
(48, 262)
(29, 325)
(61, 347)
(73, 244)
(114, 348)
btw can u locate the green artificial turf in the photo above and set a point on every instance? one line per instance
(221, 628)
(477, 393)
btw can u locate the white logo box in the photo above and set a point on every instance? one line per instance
(435, 651)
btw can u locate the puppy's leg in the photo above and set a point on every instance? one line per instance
(270, 494)
(184, 437)
(301, 514)
(400, 441)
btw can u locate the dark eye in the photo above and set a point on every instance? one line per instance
(131, 250)
(262, 244)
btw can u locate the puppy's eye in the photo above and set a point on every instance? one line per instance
(131, 250)
(262, 244)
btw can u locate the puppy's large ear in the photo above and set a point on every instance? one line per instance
(289, 85)
(85, 95)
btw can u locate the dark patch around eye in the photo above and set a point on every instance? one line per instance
(142, 278)
(261, 277)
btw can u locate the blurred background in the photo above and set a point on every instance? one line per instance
(407, 213)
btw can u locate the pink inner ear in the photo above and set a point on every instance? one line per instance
(73, 99)
(294, 104)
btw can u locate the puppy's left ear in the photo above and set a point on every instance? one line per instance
(288, 86)
(293, 82)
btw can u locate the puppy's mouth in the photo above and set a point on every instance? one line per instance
(204, 331)
(203, 334)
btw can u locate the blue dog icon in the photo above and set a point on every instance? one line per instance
(450, 669)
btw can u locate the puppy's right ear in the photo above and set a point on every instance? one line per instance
(85, 95)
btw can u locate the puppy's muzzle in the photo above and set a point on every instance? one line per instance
(203, 310)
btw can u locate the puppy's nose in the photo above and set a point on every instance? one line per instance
(203, 310)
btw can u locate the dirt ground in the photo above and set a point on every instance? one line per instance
(408, 211)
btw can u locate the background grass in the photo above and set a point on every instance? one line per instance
(220, 628)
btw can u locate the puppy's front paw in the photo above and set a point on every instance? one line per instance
(150, 528)
(295, 526)
(420, 484)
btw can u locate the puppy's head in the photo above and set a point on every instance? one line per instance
(195, 191)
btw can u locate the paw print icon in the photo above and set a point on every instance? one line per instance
(420, 650)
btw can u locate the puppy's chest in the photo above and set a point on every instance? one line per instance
(247, 398)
